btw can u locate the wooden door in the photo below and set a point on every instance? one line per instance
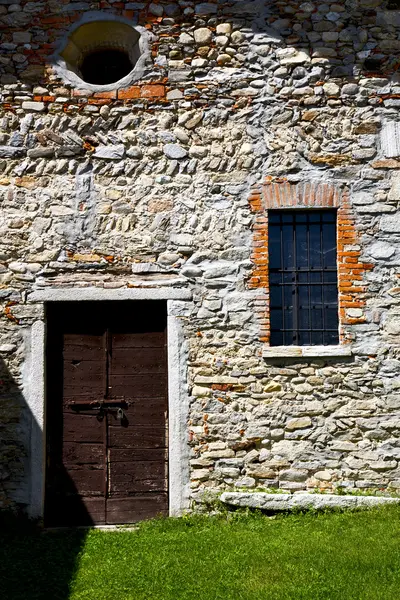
(106, 413)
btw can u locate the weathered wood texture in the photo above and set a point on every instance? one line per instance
(104, 465)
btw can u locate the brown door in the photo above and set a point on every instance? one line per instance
(106, 413)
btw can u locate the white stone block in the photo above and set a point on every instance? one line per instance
(303, 501)
(390, 139)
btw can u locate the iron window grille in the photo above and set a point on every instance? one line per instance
(303, 277)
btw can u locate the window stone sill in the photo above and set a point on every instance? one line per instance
(306, 351)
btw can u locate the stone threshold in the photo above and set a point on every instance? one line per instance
(302, 501)
(123, 528)
(306, 351)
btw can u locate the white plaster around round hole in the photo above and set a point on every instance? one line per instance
(97, 30)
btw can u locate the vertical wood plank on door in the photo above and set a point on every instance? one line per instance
(138, 452)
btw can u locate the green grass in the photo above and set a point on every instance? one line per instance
(343, 556)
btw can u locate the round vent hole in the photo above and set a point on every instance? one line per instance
(105, 66)
(103, 53)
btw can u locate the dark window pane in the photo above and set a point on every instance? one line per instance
(315, 277)
(276, 296)
(276, 339)
(331, 337)
(289, 338)
(287, 217)
(288, 295)
(316, 318)
(303, 296)
(274, 278)
(288, 318)
(330, 277)
(330, 294)
(315, 246)
(329, 240)
(274, 217)
(274, 247)
(304, 338)
(301, 246)
(328, 216)
(303, 277)
(331, 318)
(276, 317)
(317, 338)
(289, 277)
(304, 318)
(288, 250)
(316, 295)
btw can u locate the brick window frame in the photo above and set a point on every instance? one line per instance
(281, 194)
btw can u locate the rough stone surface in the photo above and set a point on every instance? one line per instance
(110, 152)
(174, 151)
(153, 185)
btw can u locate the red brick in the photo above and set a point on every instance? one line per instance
(98, 101)
(153, 91)
(106, 95)
(130, 93)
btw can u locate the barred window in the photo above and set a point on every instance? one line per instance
(303, 277)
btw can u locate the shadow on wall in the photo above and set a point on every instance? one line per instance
(15, 434)
(22, 36)
(337, 41)
(34, 563)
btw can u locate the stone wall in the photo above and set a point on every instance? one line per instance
(155, 185)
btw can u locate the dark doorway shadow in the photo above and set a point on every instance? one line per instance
(35, 563)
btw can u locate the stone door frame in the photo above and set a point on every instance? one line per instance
(178, 305)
